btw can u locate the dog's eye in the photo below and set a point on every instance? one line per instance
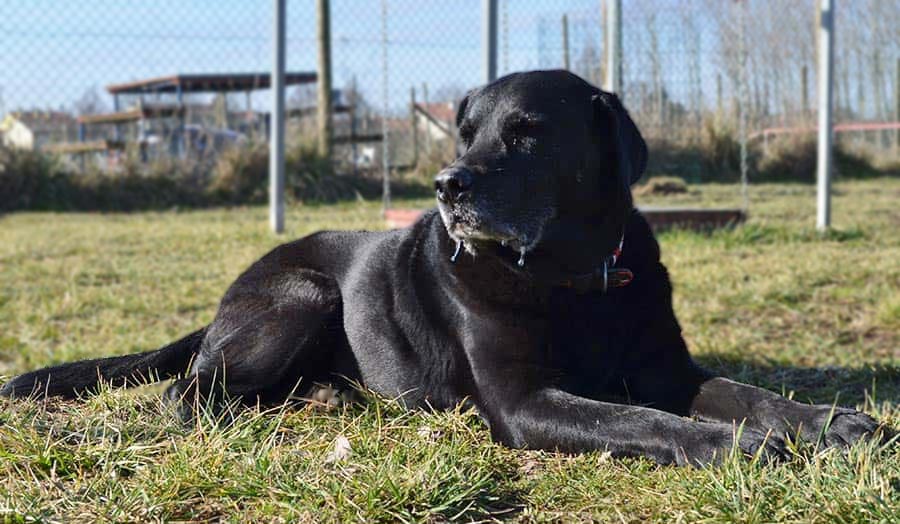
(527, 128)
(522, 136)
(466, 133)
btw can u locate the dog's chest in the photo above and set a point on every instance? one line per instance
(588, 344)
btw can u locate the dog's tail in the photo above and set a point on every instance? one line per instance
(69, 380)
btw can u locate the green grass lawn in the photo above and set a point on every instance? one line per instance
(770, 302)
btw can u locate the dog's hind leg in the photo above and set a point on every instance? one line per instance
(269, 340)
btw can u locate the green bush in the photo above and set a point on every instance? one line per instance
(713, 156)
(26, 178)
(36, 181)
(241, 176)
(794, 159)
(31, 180)
(310, 176)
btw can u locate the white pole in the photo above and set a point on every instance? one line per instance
(743, 106)
(385, 100)
(614, 47)
(489, 39)
(276, 139)
(826, 74)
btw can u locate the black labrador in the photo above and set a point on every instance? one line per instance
(535, 292)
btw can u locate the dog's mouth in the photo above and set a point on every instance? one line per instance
(474, 232)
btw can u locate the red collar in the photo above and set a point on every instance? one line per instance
(601, 278)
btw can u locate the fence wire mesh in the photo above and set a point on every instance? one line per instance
(691, 68)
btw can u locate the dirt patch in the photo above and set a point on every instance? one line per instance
(663, 185)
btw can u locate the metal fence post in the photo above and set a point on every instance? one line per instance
(614, 47)
(385, 100)
(325, 108)
(276, 138)
(743, 106)
(826, 73)
(897, 105)
(182, 145)
(489, 42)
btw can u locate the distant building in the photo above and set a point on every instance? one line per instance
(444, 114)
(32, 130)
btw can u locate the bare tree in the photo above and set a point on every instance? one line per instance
(90, 103)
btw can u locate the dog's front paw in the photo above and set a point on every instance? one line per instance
(841, 427)
(717, 441)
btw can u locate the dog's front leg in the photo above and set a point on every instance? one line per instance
(552, 419)
(514, 392)
(725, 400)
(663, 375)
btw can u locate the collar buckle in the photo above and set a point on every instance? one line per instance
(601, 278)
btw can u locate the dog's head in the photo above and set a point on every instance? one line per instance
(543, 152)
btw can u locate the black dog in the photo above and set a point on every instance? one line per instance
(537, 323)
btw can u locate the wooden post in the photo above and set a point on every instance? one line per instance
(82, 133)
(249, 114)
(142, 131)
(427, 128)
(182, 124)
(565, 39)
(223, 111)
(413, 122)
(117, 132)
(719, 95)
(324, 108)
(804, 79)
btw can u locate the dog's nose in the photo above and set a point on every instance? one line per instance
(452, 183)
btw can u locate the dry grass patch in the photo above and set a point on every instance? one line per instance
(771, 302)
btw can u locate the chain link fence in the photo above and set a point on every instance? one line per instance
(692, 70)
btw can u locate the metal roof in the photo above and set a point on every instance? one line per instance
(207, 83)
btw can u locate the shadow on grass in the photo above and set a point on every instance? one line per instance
(873, 384)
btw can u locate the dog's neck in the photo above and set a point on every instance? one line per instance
(582, 257)
(602, 278)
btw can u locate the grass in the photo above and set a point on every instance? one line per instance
(771, 302)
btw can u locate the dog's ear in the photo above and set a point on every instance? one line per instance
(631, 150)
(461, 107)
(460, 115)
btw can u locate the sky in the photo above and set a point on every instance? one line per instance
(53, 51)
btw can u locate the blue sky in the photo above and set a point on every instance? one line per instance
(55, 50)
